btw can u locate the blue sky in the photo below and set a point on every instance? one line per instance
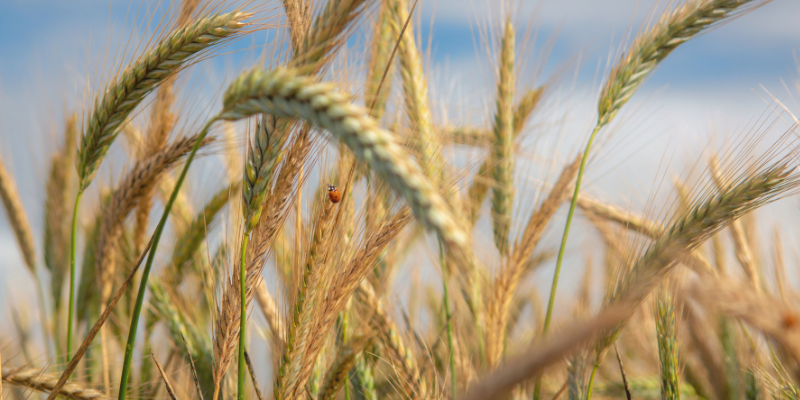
(711, 81)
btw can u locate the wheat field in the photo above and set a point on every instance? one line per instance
(313, 227)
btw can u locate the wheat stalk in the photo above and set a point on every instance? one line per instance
(285, 93)
(503, 147)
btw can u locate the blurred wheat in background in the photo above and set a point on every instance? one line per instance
(320, 169)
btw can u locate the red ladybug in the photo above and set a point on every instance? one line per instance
(333, 194)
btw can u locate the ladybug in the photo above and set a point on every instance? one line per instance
(333, 194)
(789, 320)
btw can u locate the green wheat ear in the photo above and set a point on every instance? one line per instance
(261, 160)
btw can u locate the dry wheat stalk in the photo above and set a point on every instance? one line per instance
(130, 87)
(17, 218)
(164, 377)
(503, 147)
(40, 381)
(142, 177)
(773, 317)
(284, 93)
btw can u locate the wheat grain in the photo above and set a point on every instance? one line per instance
(327, 33)
(347, 356)
(40, 381)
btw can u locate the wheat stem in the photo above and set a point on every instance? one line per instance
(243, 317)
(126, 365)
(72, 276)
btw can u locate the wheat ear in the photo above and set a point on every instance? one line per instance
(690, 229)
(377, 89)
(300, 326)
(40, 381)
(665, 310)
(18, 219)
(415, 90)
(326, 33)
(124, 93)
(59, 188)
(744, 254)
(285, 93)
(503, 147)
(347, 356)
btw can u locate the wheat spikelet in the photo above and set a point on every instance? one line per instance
(142, 176)
(59, 187)
(691, 228)
(285, 93)
(653, 45)
(40, 381)
(17, 218)
(503, 148)
(123, 94)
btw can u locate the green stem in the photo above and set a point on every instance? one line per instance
(563, 247)
(243, 317)
(68, 355)
(43, 316)
(591, 380)
(126, 365)
(446, 305)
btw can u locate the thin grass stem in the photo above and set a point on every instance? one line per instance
(243, 318)
(68, 354)
(137, 310)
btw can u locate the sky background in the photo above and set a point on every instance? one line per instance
(708, 87)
